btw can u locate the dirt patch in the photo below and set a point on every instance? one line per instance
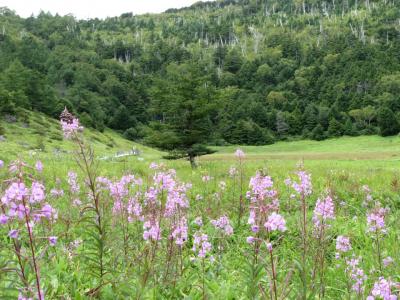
(307, 156)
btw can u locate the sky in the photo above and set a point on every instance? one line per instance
(83, 9)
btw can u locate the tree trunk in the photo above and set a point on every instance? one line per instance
(192, 161)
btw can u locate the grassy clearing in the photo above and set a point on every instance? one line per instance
(342, 166)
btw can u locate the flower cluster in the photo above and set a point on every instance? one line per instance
(261, 188)
(201, 245)
(383, 290)
(343, 244)
(356, 274)
(223, 224)
(73, 182)
(206, 178)
(71, 128)
(22, 202)
(24, 209)
(304, 186)
(151, 230)
(180, 232)
(275, 222)
(239, 154)
(233, 171)
(324, 210)
(376, 220)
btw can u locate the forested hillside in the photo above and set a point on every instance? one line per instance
(233, 71)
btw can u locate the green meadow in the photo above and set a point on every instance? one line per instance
(338, 167)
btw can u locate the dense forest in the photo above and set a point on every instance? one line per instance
(229, 71)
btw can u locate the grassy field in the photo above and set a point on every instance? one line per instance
(338, 167)
(374, 160)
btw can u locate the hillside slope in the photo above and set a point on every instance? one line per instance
(37, 134)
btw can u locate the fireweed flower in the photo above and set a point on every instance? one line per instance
(71, 128)
(153, 166)
(151, 231)
(260, 188)
(304, 186)
(15, 192)
(368, 195)
(356, 275)
(275, 222)
(223, 224)
(376, 220)
(387, 261)
(206, 178)
(39, 166)
(37, 192)
(239, 154)
(343, 244)
(134, 208)
(201, 245)
(24, 200)
(57, 193)
(3, 219)
(180, 232)
(73, 182)
(383, 290)
(198, 221)
(233, 172)
(250, 239)
(13, 233)
(324, 210)
(53, 240)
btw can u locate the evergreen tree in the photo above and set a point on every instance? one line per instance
(335, 128)
(318, 133)
(282, 127)
(387, 122)
(311, 117)
(181, 109)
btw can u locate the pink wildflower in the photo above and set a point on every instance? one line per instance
(198, 221)
(39, 166)
(250, 240)
(239, 154)
(223, 224)
(37, 192)
(3, 219)
(73, 182)
(71, 128)
(303, 187)
(13, 234)
(53, 240)
(387, 261)
(233, 171)
(201, 245)
(275, 222)
(376, 220)
(324, 210)
(356, 274)
(343, 243)
(383, 290)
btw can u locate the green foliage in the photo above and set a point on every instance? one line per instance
(318, 133)
(182, 105)
(284, 67)
(387, 121)
(335, 128)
